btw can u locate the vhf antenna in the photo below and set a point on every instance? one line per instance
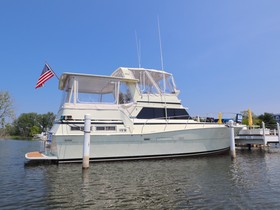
(138, 46)
(161, 58)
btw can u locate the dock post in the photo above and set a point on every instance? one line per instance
(263, 128)
(232, 140)
(278, 132)
(86, 146)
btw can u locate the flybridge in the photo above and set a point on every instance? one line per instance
(150, 80)
(126, 85)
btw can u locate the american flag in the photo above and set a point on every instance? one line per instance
(46, 74)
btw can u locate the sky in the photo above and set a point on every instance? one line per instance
(224, 55)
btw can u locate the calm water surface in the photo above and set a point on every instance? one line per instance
(252, 181)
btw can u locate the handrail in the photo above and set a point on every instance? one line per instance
(208, 116)
(167, 119)
(149, 120)
(128, 118)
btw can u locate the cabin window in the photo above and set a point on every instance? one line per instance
(96, 98)
(78, 128)
(97, 91)
(146, 83)
(152, 113)
(105, 128)
(154, 82)
(166, 84)
(177, 114)
(125, 95)
(90, 90)
(69, 91)
(159, 112)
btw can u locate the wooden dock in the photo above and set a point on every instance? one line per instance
(261, 136)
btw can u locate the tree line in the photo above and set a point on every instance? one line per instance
(29, 124)
(267, 118)
(26, 125)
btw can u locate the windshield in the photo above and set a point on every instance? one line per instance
(154, 82)
(96, 90)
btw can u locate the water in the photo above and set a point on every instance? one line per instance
(250, 182)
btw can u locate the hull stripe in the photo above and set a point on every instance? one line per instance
(146, 157)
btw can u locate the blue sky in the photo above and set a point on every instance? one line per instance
(224, 55)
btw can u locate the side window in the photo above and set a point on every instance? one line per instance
(151, 113)
(146, 113)
(124, 94)
(159, 113)
(181, 114)
(177, 114)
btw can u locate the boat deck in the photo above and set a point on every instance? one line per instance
(256, 139)
(34, 155)
(260, 136)
(38, 156)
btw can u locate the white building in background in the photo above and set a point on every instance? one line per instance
(277, 117)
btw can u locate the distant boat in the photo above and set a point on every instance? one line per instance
(41, 136)
(136, 114)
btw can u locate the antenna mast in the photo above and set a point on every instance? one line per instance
(138, 46)
(161, 58)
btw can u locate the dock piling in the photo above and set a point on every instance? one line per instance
(278, 133)
(232, 140)
(263, 129)
(86, 146)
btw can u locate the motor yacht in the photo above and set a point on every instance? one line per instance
(135, 114)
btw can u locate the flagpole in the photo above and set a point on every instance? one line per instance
(52, 70)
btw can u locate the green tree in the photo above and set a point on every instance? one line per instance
(6, 110)
(34, 130)
(9, 130)
(25, 122)
(256, 120)
(28, 124)
(46, 121)
(268, 119)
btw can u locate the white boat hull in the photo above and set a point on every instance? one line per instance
(155, 145)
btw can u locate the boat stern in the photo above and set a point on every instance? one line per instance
(39, 156)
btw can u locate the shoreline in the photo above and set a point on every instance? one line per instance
(17, 138)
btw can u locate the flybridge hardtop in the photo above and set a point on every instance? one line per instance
(147, 77)
(125, 85)
(89, 81)
(136, 114)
